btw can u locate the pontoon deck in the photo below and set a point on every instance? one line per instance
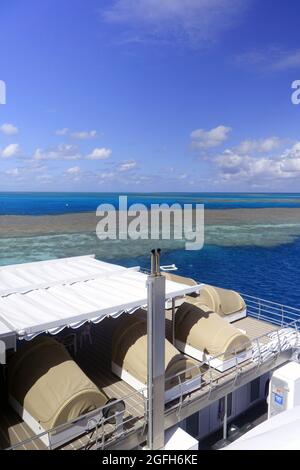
(95, 361)
(272, 329)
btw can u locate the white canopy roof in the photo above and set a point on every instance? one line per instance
(50, 295)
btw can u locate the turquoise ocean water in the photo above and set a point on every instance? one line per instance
(259, 259)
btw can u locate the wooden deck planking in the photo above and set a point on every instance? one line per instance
(95, 361)
(255, 328)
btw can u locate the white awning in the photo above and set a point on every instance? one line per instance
(47, 296)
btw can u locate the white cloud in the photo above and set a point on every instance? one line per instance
(8, 129)
(31, 171)
(74, 173)
(84, 135)
(288, 60)
(61, 152)
(80, 135)
(127, 166)
(293, 152)
(229, 159)
(239, 167)
(174, 21)
(75, 170)
(10, 150)
(143, 178)
(99, 154)
(263, 145)
(13, 172)
(63, 131)
(44, 178)
(243, 167)
(291, 166)
(270, 58)
(202, 139)
(106, 175)
(35, 167)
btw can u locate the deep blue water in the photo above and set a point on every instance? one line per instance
(268, 273)
(61, 203)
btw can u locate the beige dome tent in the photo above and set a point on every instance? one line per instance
(226, 303)
(129, 358)
(180, 280)
(47, 388)
(203, 334)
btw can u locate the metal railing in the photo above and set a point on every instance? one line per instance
(97, 430)
(204, 374)
(272, 312)
(265, 348)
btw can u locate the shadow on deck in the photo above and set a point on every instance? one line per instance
(94, 359)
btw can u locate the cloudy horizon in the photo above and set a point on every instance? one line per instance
(151, 95)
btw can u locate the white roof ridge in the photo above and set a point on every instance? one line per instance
(68, 281)
(46, 261)
(36, 299)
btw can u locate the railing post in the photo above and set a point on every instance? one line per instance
(225, 418)
(180, 400)
(156, 354)
(173, 321)
(237, 369)
(297, 333)
(211, 386)
(259, 354)
(279, 342)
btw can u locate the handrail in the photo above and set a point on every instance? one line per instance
(268, 301)
(100, 422)
(272, 312)
(282, 320)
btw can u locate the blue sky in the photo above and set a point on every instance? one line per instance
(149, 95)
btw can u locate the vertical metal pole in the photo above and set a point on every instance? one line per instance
(156, 356)
(173, 320)
(225, 419)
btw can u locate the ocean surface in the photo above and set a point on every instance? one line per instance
(257, 256)
(62, 203)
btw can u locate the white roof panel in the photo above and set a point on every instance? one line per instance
(22, 277)
(50, 295)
